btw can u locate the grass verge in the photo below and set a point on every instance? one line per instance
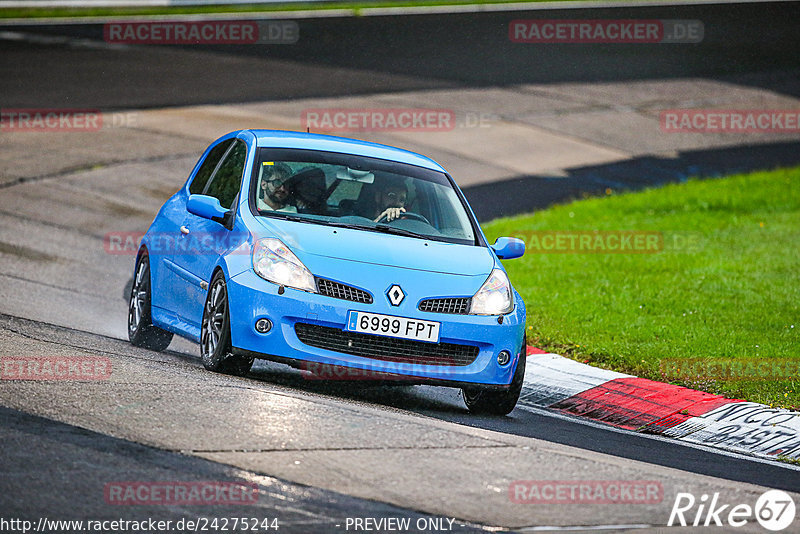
(356, 7)
(715, 307)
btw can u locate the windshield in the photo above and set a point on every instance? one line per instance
(358, 192)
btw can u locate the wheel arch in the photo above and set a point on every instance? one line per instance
(142, 250)
(220, 267)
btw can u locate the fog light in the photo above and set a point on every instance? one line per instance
(504, 357)
(263, 325)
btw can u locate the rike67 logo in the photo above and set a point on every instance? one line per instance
(774, 510)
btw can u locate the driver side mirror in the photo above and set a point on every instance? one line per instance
(509, 248)
(208, 208)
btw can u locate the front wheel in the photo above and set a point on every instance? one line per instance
(489, 402)
(215, 333)
(141, 331)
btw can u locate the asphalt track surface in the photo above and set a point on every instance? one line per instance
(82, 462)
(53, 455)
(163, 416)
(747, 44)
(363, 55)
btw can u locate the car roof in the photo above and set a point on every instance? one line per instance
(329, 143)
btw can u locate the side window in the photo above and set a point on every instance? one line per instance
(227, 181)
(204, 172)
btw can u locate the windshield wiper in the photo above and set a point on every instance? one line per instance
(396, 231)
(345, 225)
(382, 228)
(285, 216)
(379, 228)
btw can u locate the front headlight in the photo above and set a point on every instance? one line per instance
(273, 261)
(494, 296)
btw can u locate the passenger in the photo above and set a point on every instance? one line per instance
(274, 194)
(307, 189)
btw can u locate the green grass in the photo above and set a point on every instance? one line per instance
(356, 7)
(733, 297)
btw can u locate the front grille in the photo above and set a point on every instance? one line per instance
(337, 290)
(385, 348)
(458, 306)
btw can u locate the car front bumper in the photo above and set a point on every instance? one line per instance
(252, 298)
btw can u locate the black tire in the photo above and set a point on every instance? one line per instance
(141, 331)
(492, 402)
(215, 333)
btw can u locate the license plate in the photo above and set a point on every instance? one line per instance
(391, 326)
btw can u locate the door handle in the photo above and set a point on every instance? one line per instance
(184, 230)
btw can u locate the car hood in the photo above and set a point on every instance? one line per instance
(313, 242)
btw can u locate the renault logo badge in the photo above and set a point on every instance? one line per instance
(395, 295)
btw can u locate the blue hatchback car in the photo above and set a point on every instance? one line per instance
(332, 254)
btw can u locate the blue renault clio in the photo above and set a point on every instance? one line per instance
(330, 253)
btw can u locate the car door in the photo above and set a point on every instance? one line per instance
(170, 281)
(203, 240)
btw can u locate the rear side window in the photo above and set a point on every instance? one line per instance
(227, 181)
(198, 185)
